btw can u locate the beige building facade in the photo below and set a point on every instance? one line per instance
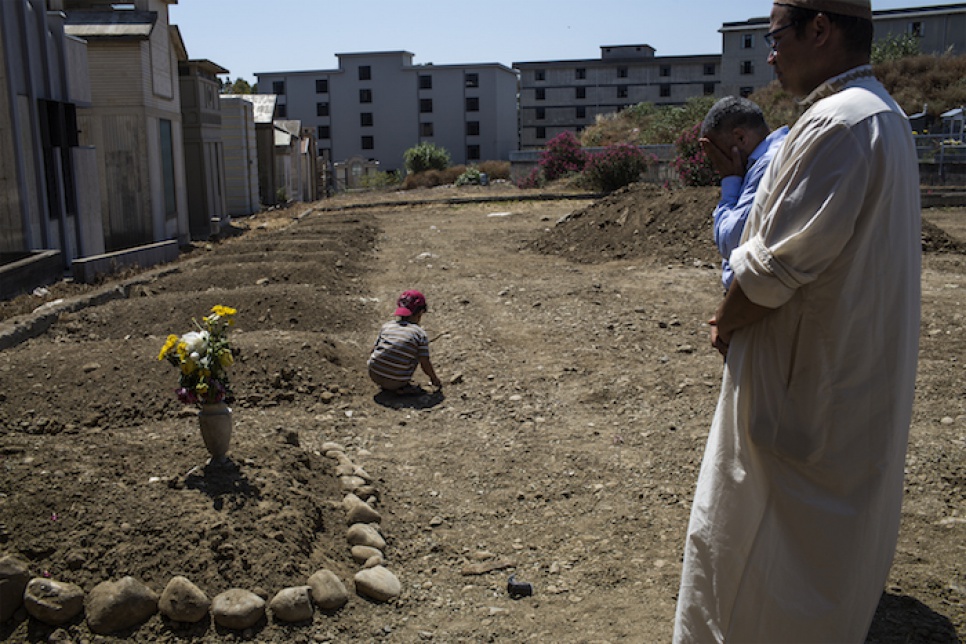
(377, 105)
(744, 60)
(568, 95)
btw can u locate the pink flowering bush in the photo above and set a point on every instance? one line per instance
(616, 166)
(563, 156)
(692, 164)
(534, 179)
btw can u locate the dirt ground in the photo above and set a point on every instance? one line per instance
(571, 338)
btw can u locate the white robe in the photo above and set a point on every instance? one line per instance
(796, 512)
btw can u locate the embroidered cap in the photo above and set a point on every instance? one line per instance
(410, 303)
(857, 8)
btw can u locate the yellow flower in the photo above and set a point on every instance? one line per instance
(225, 359)
(168, 345)
(202, 388)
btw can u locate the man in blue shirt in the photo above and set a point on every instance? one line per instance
(737, 142)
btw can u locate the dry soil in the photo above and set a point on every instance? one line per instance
(571, 337)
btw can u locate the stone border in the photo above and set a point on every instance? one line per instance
(31, 325)
(113, 606)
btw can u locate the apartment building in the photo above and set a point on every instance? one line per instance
(744, 58)
(562, 95)
(377, 105)
(940, 29)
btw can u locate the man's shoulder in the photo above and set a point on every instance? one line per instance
(855, 103)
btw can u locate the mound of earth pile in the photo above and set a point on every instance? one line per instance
(668, 226)
(638, 221)
(935, 240)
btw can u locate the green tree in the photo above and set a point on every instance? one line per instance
(239, 86)
(426, 156)
(894, 47)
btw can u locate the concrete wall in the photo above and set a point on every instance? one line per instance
(204, 165)
(241, 156)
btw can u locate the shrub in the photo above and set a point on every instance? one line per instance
(496, 169)
(426, 156)
(470, 177)
(433, 178)
(894, 47)
(646, 123)
(381, 180)
(616, 167)
(562, 156)
(691, 164)
(534, 179)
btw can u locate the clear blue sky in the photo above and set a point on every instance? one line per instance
(249, 36)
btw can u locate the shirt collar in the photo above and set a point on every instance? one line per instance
(762, 147)
(836, 84)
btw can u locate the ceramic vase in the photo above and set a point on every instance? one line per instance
(215, 422)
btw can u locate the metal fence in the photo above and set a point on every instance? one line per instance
(941, 156)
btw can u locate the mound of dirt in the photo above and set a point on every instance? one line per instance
(638, 221)
(935, 240)
(643, 221)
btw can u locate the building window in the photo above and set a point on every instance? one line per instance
(365, 119)
(425, 129)
(426, 105)
(665, 70)
(281, 111)
(709, 89)
(747, 67)
(541, 132)
(745, 92)
(472, 153)
(541, 94)
(472, 128)
(425, 81)
(747, 41)
(322, 86)
(580, 73)
(621, 72)
(580, 92)
(365, 72)
(322, 132)
(709, 69)
(665, 90)
(622, 91)
(368, 143)
(472, 104)
(915, 29)
(365, 95)
(472, 79)
(540, 75)
(541, 114)
(580, 113)
(278, 87)
(321, 109)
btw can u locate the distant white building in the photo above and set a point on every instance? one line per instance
(568, 95)
(744, 59)
(377, 105)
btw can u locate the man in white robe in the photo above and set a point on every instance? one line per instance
(796, 512)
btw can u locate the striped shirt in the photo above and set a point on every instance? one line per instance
(397, 350)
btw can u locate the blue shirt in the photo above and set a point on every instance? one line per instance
(737, 196)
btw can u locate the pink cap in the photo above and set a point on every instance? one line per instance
(410, 303)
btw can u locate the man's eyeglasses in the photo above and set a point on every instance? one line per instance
(770, 36)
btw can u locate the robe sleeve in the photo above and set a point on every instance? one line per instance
(805, 215)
